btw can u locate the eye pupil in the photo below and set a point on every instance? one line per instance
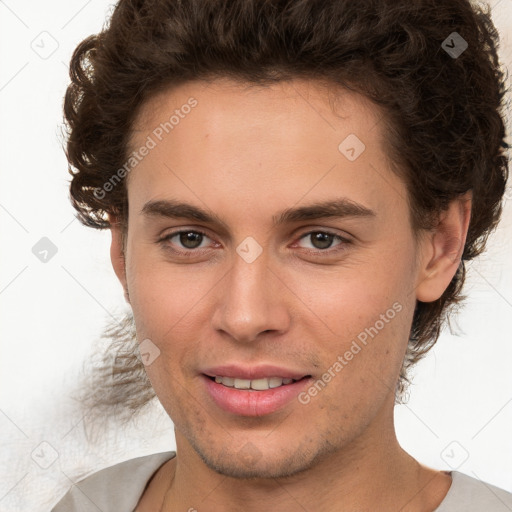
(325, 240)
(190, 237)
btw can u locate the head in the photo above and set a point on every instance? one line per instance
(259, 116)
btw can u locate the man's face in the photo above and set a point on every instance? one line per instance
(326, 301)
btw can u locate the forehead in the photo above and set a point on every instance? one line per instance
(223, 106)
(249, 142)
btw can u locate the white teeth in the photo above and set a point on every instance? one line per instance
(275, 382)
(260, 384)
(242, 383)
(255, 384)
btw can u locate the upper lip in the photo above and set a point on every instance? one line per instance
(253, 372)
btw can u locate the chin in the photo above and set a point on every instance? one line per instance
(251, 462)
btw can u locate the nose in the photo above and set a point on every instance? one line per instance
(252, 299)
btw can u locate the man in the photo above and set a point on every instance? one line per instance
(292, 190)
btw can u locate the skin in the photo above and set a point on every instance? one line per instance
(247, 154)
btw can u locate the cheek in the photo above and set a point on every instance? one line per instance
(370, 336)
(365, 316)
(170, 308)
(165, 306)
(162, 294)
(355, 300)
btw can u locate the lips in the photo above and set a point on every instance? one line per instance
(253, 391)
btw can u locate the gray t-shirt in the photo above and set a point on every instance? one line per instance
(119, 488)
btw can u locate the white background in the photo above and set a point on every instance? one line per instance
(460, 411)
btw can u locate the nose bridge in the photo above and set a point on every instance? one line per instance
(249, 302)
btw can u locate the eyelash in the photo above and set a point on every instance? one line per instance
(194, 252)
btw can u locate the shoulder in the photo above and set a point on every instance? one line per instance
(115, 488)
(468, 494)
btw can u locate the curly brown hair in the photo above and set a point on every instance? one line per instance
(442, 114)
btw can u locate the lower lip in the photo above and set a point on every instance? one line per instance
(246, 402)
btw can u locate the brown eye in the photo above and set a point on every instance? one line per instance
(321, 241)
(189, 239)
(186, 240)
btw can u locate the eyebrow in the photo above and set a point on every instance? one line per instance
(337, 208)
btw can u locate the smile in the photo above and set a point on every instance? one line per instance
(253, 397)
(255, 384)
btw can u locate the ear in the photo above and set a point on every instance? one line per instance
(117, 256)
(442, 249)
